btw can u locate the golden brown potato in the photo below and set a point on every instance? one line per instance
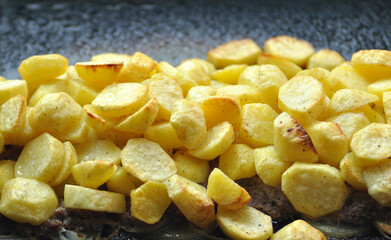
(374, 64)
(219, 109)
(238, 162)
(289, 68)
(96, 120)
(137, 69)
(197, 69)
(325, 58)
(99, 74)
(298, 230)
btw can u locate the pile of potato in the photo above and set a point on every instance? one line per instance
(304, 121)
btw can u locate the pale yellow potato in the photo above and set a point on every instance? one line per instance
(325, 58)
(314, 189)
(217, 141)
(296, 50)
(269, 166)
(219, 109)
(387, 105)
(216, 84)
(350, 122)
(28, 201)
(372, 115)
(378, 88)
(199, 94)
(303, 97)
(95, 120)
(149, 202)
(291, 141)
(137, 69)
(79, 133)
(94, 173)
(166, 68)
(244, 51)
(2, 79)
(188, 121)
(13, 115)
(238, 162)
(12, 88)
(245, 93)
(55, 113)
(375, 64)
(330, 142)
(225, 192)
(98, 150)
(197, 70)
(256, 128)
(246, 223)
(141, 120)
(81, 92)
(70, 159)
(190, 167)
(349, 100)
(121, 182)
(164, 134)
(99, 74)
(41, 68)
(186, 83)
(77, 197)
(298, 230)
(120, 99)
(50, 87)
(230, 74)
(147, 161)
(40, 159)
(352, 173)
(372, 144)
(7, 172)
(117, 137)
(289, 68)
(377, 179)
(345, 76)
(268, 79)
(322, 75)
(103, 57)
(192, 200)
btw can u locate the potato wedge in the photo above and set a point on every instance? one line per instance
(244, 51)
(121, 182)
(291, 142)
(108, 57)
(147, 161)
(246, 223)
(28, 201)
(12, 88)
(219, 109)
(7, 172)
(13, 115)
(199, 94)
(98, 150)
(377, 179)
(78, 197)
(99, 74)
(81, 92)
(164, 134)
(322, 75)
(374, 64)
(245, 93)
(349, 100)
(70, 159)
(352, 173)
(325, 58)
(289, 68)
(230, 74)
(345, 76)
(149, 202)
(192, 200)
(297, 230)
(238, 162)
(314, 189)
(350, 122)
(94, 173)
(190, 167)
(137, 69)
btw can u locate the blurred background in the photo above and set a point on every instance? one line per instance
(175, 30)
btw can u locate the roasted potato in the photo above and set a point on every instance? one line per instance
(325, 58)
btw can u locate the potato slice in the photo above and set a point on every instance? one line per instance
(238, 162)
(330, 142)
(372, 144)
(166, 68)
(303, 97)
(219, 109)
(350, 122)
(78, 197)
(189, 123)
(269, 166)
(350, 99)
(185, 82)
(225, 192)
(7, 172)
(137, 69)
(108, 57)
(352, 173)
(256, 127)
(296, 50)
(387, 105)
(217, 141)
(314, 189)
(374, 64)
(79, 133)
(98, 150)
(40, 158)
(230, 74)
(12, 88)
(197, 70)
(322, 75)
(93, 174)
(95, 120)
(216, 84)
(13, 115)
(149, 202)
(345, 76)
(120, 99)
(99, 74)
(296, 230)
(289, 68)
(147, 161)
(192, 200)
(28, 201)
(372, 115)
(377, 179)
(268, 79)
(121, 182)
(291, 142)
(190, 167)
(142, 119)
(70, 159)
(50, 87)
(117, 137)
(246, 223)
(199, 94)
(244, 51)
(325, 58)
(378, 88)
(245, 93)
(164, 134)
(81, 92)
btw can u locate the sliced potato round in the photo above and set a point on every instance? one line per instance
(229, 74)
(80, 91)
(289, 68)
(245, 93)
(98, 150)
(7, 172)
(352, 173)
(197, 70)
(108, 57)
(378, 88)
(93, 174)
(121, 182)
(350, 122)
(322, 75)
(95, 120)
(345, 76)
(190, 167)
(219, 109)
(325, 58)
(13, 115)
(99, 74)
(349, 100)
(12, 88)
(374, 64)
(137, 69)
(70, 159)
(296, 230)
(377, 178)
(238, 162)
(166, 68)
(164, 134)
(199, 94)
